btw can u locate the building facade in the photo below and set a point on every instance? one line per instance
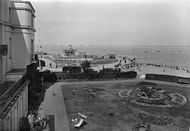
(110, 56)
(17, 34)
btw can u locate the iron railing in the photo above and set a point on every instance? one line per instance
(9, 95)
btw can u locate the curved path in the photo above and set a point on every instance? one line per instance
(54, 104)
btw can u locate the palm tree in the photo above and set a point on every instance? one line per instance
(85, 65)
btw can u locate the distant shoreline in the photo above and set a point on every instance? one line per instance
(170, 55)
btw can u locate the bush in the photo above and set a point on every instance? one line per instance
(49, 76)
(35, 89)
(130, 74)
(108, 70)
(104, 74)
(32, 67)
(71, 69)
(167, 78)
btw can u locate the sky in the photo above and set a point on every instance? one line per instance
(109, 22)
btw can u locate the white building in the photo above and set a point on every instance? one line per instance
(110, 56)
(16, 52)
(17, 33)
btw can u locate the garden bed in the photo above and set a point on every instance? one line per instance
(107, 111)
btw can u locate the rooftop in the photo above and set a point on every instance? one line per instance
(27, 2)
(69, 48)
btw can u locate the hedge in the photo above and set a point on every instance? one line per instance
(96, 76)
(168, 78)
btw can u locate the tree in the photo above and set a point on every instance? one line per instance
(85, 65)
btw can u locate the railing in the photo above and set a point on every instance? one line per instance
(8, 96)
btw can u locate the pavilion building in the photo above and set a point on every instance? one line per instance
(69, 52)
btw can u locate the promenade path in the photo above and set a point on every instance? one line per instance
(163, 70)
(54, 104)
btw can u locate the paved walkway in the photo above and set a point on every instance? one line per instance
(54, 104)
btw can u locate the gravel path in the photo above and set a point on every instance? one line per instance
(54, 104)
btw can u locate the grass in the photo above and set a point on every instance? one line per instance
(106, 111)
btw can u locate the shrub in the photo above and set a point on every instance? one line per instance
(85, 65)
(104, 74)
(168, 78)
(49, 76)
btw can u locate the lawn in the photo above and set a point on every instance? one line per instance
(106, 111)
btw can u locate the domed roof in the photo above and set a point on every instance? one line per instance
(69, 48)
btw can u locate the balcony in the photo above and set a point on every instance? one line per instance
(14, 74)
(9, 93)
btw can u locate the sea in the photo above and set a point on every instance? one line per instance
(164, 55)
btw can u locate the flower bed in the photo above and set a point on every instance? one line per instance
(151, 101)
(152, 97)
(150, 105)
(157, 120)
(178, 98)
(125, 93)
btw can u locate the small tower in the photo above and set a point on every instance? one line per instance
(69, 52)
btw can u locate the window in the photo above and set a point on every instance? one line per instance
(32, 50)
(32, 21)
(10, 48)
(9, 14)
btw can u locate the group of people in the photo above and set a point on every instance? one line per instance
(35, 121)
(170, 66)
